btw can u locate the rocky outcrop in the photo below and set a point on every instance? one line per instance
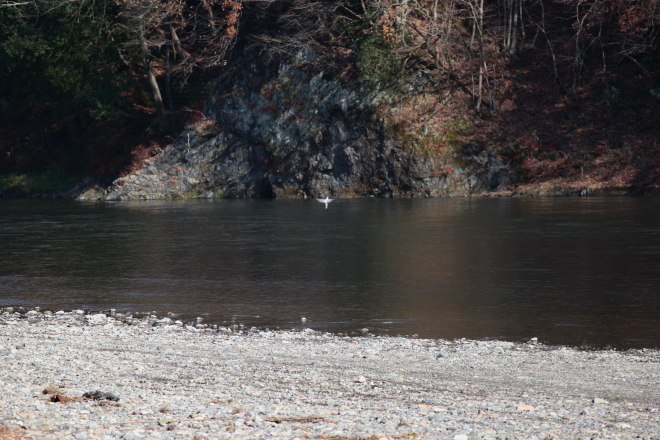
(281, 132)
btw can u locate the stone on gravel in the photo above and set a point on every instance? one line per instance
(101, 395)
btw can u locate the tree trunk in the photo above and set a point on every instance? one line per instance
(511, 18)
(478, 12)
(211, 18)
(478, 26)
(168, 89)
(155, 91)
(481, 85)
(177, 44)
(151, 79)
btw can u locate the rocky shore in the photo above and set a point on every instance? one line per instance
(276, 131)
(66, 375)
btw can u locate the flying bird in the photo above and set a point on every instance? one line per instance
(326, 201)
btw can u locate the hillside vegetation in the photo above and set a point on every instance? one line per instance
(566, 93)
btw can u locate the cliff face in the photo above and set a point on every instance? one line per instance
(281, 132)
(326, 97)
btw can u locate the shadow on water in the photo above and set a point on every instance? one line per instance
(569, 271)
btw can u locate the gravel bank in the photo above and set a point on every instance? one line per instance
(174, 381)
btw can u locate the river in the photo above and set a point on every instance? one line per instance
(576, 271)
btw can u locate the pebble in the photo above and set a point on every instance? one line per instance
(155, 378)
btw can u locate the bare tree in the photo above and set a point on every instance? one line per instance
(477, 11)
(182, 35)
(512, 14)
(303, 23)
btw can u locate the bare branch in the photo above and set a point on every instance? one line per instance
(10, 4)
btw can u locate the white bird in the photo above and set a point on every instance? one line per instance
(326, 201)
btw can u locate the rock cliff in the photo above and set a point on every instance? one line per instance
(281, 132)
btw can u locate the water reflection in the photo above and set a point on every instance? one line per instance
(573, 271)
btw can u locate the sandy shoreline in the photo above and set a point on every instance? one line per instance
(181, 382)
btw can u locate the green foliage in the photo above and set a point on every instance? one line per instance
(64, 55)
(378, 65)
(454, 140)
(460, 127)
(458, 138)
(520, 74)
(46, 182)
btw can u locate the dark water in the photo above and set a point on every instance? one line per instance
(569, 271)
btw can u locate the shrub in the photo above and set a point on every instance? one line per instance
(378, 65)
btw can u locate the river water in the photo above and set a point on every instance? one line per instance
(579, 271)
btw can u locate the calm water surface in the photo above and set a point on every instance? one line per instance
(569, 271)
